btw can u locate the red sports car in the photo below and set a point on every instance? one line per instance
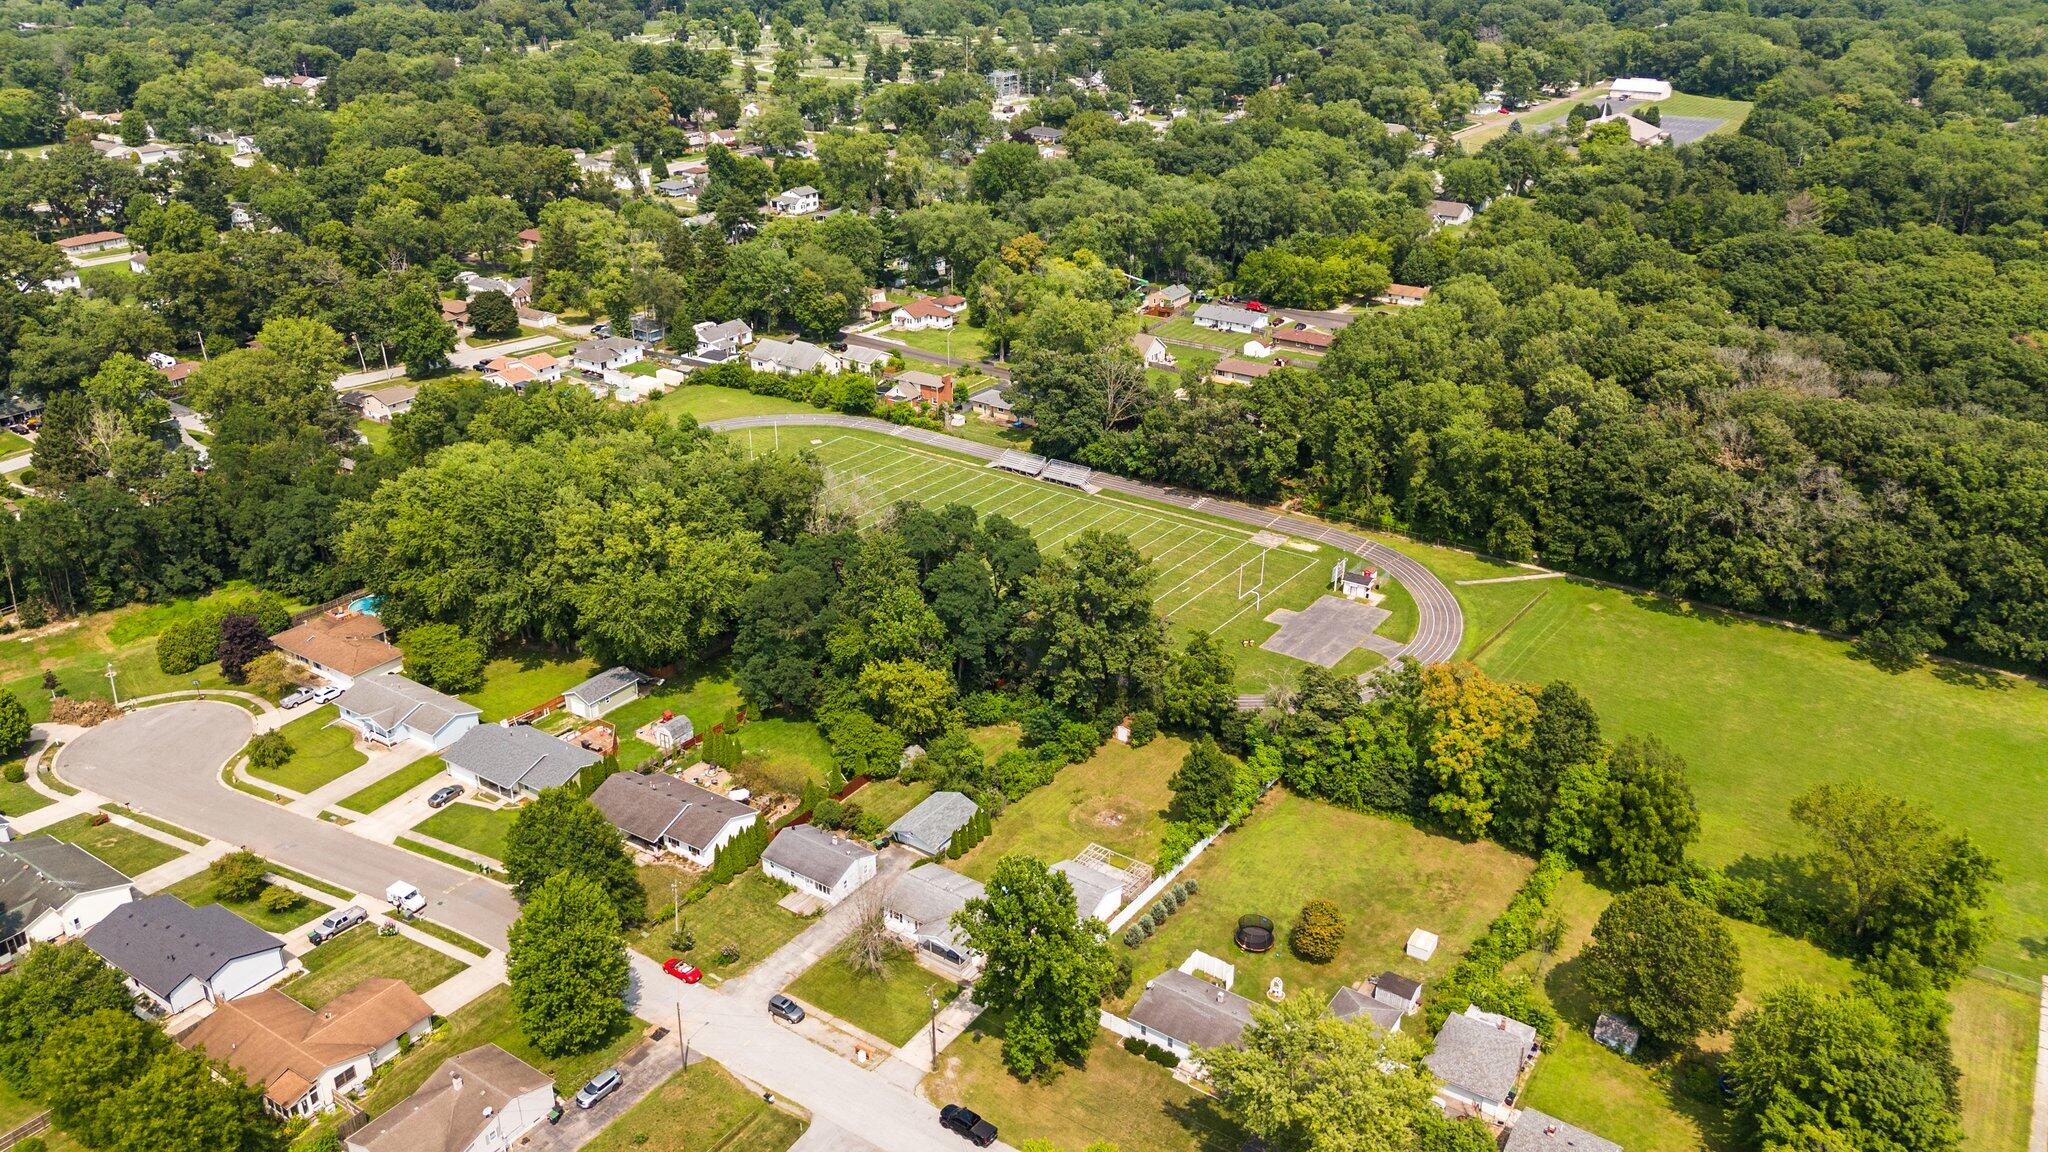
(687, 973)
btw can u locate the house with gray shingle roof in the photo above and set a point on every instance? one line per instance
(519, 760)
(177, 955)
(1540, 1132)
(387, 708)
(1478, 1061)
(1351, 1004)
(929, 827)
(1181, 1012)
(50, 890)
(1230, 318)
(921, 907)
(818, 862)
(665, 814)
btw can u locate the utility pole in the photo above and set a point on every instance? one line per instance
(935, 1033)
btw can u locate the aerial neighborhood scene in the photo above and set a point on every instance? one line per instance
(1139, 576)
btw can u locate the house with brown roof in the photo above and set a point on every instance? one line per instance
(483, 1100)
(339, 648)
(381, 404)
(1403, 296)
(305, 1061)
(91, 242)
(919, 315)
(663, 814)
(1302, 338)
(1237, 370)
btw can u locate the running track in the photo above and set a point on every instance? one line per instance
(1437, 633)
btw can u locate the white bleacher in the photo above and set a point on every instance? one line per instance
(1061, 472)
(1021, 462)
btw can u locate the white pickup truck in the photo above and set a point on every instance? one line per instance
(405, 898)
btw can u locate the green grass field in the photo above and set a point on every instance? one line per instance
(472, 826)
(779, 754)
(324, 751)
(888, 800)
(741, 914)
(346, 961)
(1183, 327)
(1116, 798)
(126, 851)
(892, 1004)
(700, 1109)
(525, 679)
(197, 890)
(963, 341)
(708, 402)
(1731, 112)
(14, 444)
(78, 651)
(395, 785)
(1206, 571)
(20, 799)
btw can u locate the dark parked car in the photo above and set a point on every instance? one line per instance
(786, 1008)
(442, 797)
(979, 1132)
(601, 1085)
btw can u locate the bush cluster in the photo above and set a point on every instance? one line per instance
(1162, 909)
(1150, 1051)
(195, 640)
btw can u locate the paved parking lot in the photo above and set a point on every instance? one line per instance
(1326, 631)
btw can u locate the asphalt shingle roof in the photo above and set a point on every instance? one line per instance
(650, 807)
(1476, 1058)
(389, 700)
(929, 827)
(815, 854)
(1192, 1010)
(518, 757)
(161, 941)
(929, 895)
(43, 872)
(604, 685)
(1538, 1132)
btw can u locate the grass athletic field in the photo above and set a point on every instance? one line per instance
(1211, 576)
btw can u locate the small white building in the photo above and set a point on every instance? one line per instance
(1098, 891)
(1642, 89)
(818, 862)
(919, 911)
(52, 890)
(791, 358)
(929, 827)
(483, 1100)
(387, 708)
(605, 691)
(663, 814)
(177, 955)
(607, 355)
(1181, 1012)
(1152, 350)
(920, 314)
(730, 336)
(1448, 214)
(1357, 583)
(1403, 296)
(381, 404)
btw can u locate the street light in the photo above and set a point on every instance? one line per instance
(112, 687)
(935, 1033)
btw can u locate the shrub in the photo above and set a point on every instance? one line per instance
(271, 675)
(239, 877)
(1193, 886)
(1077, 741)
(187, 644)
(1133, 936)
(730, 954)
(1318, 932)
(278, 898)
(270, 751)
(978, 709)
(1144, 728)
(32, 613)
(1041, 725)
(16, 773)
(739, 853)
(15, 725)
(242, 640)
(1179, 839)
(34, 1144)
(1152, 1052)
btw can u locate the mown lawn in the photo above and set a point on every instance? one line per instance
(1762, 713)
(1183, 327)
(708, 402)
(323, 751)
(77, 654)
(198, 890)
(360, 954)
(698, 1109)
(963, 341)
(126, 851)
(741, 915)
(1389, 878)
(779, 754)
(471, 826)
(19, 799)
(395, 785)
(1117, 798)
(891, 1004)
(527, 679)
(888, 800)
(13, 444)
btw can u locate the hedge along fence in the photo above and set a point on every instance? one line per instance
(1155, 917)
(1480, 978)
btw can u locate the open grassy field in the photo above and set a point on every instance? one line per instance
(888, 800)
(1209, 575)
(1116, 1097)
(1731, 112)
(528, 678)
(1388, 877)
(471, 826)
(78, 651)
(125, 850)
(892, 1004)
(353, 957)
(395, 785)
(1116, 798)
(701, 1109)
(780, 754)
(741, 915)
(323, 752)
(963, 341)
(197, 890)
(1763, 712)
(1183, 327)
(1994, 1029)
(708, 402)
(14, 1110)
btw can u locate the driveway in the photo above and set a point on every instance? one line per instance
(166, 761)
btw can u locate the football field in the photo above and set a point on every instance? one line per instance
(1209, 575)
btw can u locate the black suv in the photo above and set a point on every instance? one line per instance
(978, 1132)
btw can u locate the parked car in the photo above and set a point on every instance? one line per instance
(601, 1085)
(1254, 306)
(442, 797)
(405, 898)
(326, 694)
(687, 973)
(978, 1132)
(297, 697)
(335, 923)
(787, 1009)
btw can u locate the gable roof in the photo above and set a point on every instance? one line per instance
(351, 644)
(605, 350)
(991, 398)
(449, 1111)
(929, 827)
(1540, 1132)
(1192, 1010)
(605, 685)
(161, 941)
(1350, 1003)
(90, 239)
(1090, 884)
(926, 308)
(1395, 984)
(650, 807)
(1235, 366)
(278, 1043)
(728, 330)
(1406, 292)
(1229, 314)
(392, 395)
(815, 854)
(929, 895)
(389, 700)
(520, 756)
(1448, 209)
(42, 873)
(1307, 337)
(1476, 1058)
(801, 355)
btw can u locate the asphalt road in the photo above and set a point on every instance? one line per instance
(166, 761)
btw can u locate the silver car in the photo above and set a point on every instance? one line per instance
(601, 1085)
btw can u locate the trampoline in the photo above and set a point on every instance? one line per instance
(1255, 934)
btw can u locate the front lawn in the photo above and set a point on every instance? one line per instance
(197, 890)
(963, 341)
(360, 954)
(1389, 879)
(521, 680)
(706, 402)
(741, 915)
(19, 799)
(472, 826)
(125, 851)
(1117, 798)
(395, 785)
(700, 1108)
(1116, 1097)
(14, 444)
(892, 1004)
(323, 751)
(1183, 327)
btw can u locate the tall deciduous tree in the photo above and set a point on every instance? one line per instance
(1047, 970)
(1209, 787)
(1478, 729)
(58, 982)
(15, 725)
(84, 1064)
(1094, 641)
(1198, 689)
(1666, 961)
(1303, 1081)
(567, 964)
(1647, 817)
(562, 831)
